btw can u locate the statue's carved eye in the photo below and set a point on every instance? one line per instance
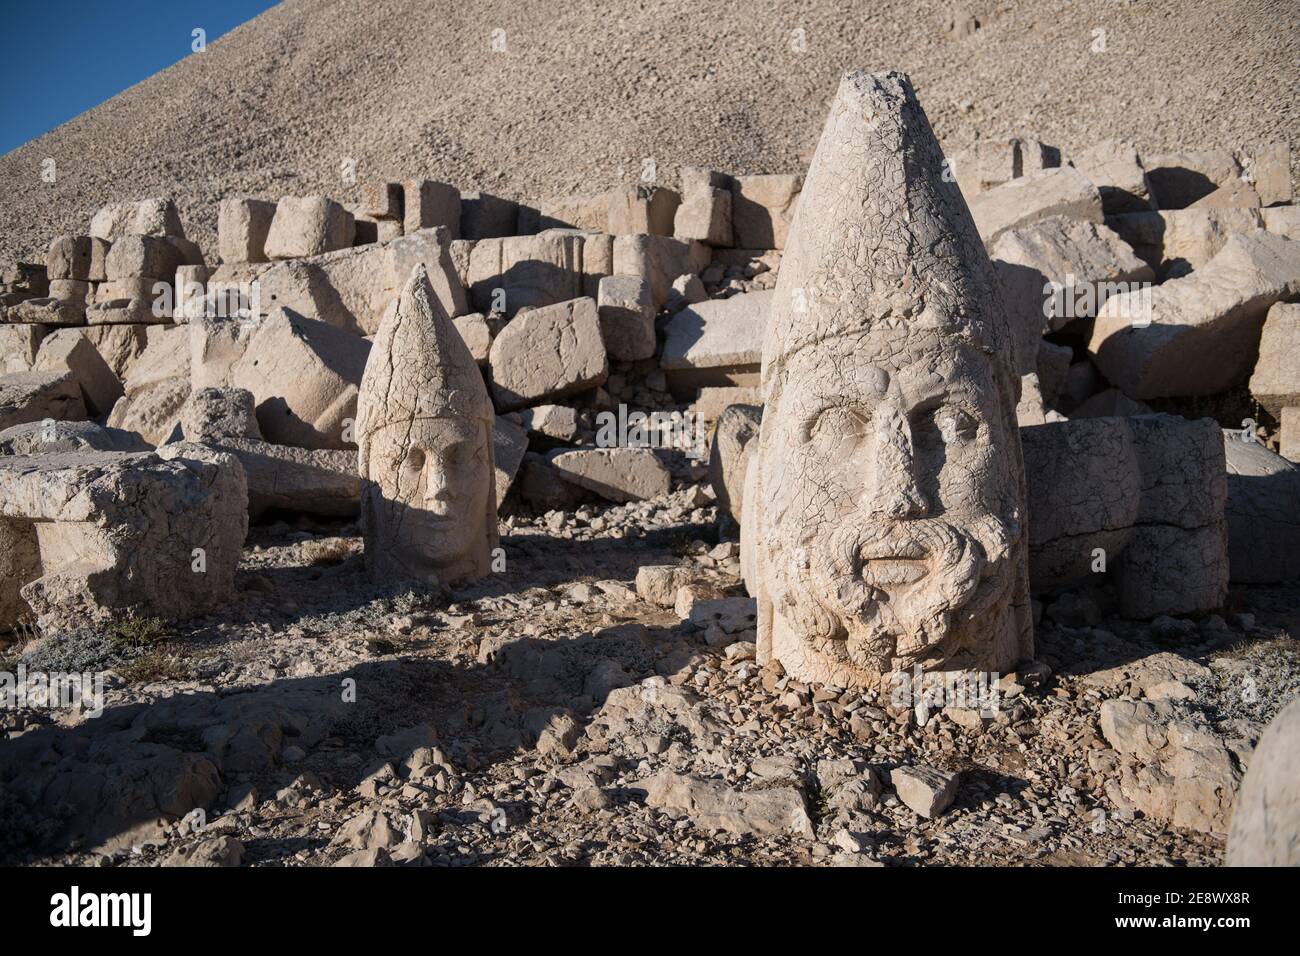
(839, 425)
(415, 459)
(955, 425)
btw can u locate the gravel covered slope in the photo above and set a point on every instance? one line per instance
(584, 94)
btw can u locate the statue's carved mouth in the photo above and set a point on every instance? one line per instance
(893, 572)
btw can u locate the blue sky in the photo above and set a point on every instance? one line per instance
(59, 58)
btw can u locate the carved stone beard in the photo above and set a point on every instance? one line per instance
(880, 595)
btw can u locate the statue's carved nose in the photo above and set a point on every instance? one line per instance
(897, 493)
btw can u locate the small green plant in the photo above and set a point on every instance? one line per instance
(134, 631)
(150, 667)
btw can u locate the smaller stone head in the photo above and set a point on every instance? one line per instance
(424, 434)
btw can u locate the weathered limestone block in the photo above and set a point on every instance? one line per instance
(762, 209)
(542, 488)
(119, 345)
(382, 200)
(35, 396)
(642, 209)
(714, 400)
(19, 342)
(717, 342)
(352, 288)
(548, 353)
(242, 227)
(1177, 241)
(78, 291)
(733, 446)
(1141, 498)
(156, 387)
(308, 226)
(70, 350)
(27, 278)
(509, 444)
(1270, 173)
(1112, 403)
(705, 212)
(1204, 328)
(68, 258)
(216, 344)
(1056, 271)
(1275, 382)
(1263, 513)
(889, 384)
(53, 312)
(1266, 817)
(149, 257)
(573, 212)
(319, 481)
(506, 275)
(1284, 220)
(1063, 191)
(429, 204)
(712, 805)
(618, 474)
(148, 217)
(627, 317)
(425, 455)
(559, 422)
(1204, 178)
(597, 261)
(988, 163)
(118, 532)
(210, 415)
(477, 332)
(659, 260)
(485, 216)
(304, 376)
(1113, 166)
(1289, 439)
(35, 438)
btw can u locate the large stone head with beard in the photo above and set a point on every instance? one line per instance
(424, 441)
(889, 529)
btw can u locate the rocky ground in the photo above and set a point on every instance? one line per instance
(552, 715)
(575, 100)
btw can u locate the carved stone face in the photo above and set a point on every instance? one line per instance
(433, 477)
(892, 520)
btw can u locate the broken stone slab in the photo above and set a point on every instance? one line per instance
(210, 415)
(39, 395)
(308, 226)
(119, 345)
(988, 163)
(618, 474)
(658, 584)
(564, 212)
(1063, 191)
(543, 489)
(430, 204)
(659, 260)
(712, 805)
(705, 211)
(68, 257)
(1205, 177)
(1262, 512)
(52, 312)
(318, 481)
(559, 422)
(1275, 382)
(517, 272)
(926, 791)
(762, 209)
(34, 438)
(156, 216)
(1289, 434)
(509, 443)
(1113, 166)
(715, 399)
(627, 317)
(304, 376)
(70, 350)
(1265, 827)
(1112, 403)
(477, 332)
(156, 387)
(19, 343)
(642, 209)
(243, 224)
(1139, 498)
(1178, 241)
(149, 257)
(717, 342)
(1268, 168)
(1057, 271)
(729, 456)
(26, 278)
(1198, 335)
(351, 289)
(118, 532)
(548, 353)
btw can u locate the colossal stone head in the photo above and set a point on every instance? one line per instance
(888, 527)
(424, 435)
